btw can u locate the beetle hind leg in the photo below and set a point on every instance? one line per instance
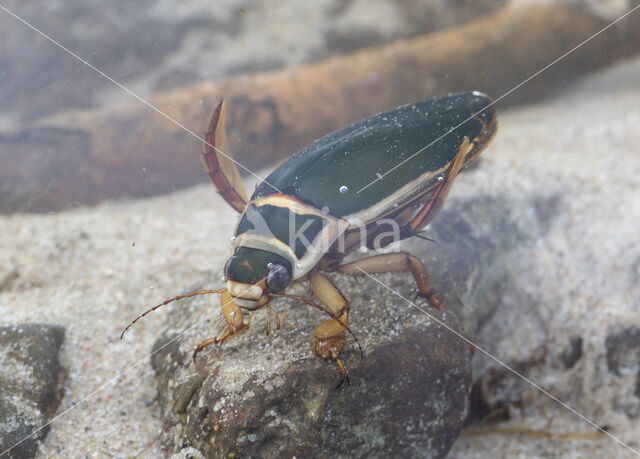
(329, 335)
(396, 262)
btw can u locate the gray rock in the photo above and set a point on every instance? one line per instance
(623, 351)
(623, 354)
(572, 353)
(496, 392)
(296, 410)
(29, 384)
(409, 394)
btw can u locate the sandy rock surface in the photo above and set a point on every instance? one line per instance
(92, 270)
(578, 281)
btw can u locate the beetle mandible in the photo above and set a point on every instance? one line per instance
(398, 165)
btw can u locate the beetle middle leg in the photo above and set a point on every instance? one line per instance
(233, 317)
(395, 262)
(329, 335)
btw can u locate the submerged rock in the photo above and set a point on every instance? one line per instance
(623, 358)
(29, 391)
(623, 351)
(408, 396)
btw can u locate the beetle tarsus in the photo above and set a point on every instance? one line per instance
(221, 338)
(433, 300)
(201, 346)
(344, 375)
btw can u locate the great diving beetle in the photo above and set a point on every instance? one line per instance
(328, 200)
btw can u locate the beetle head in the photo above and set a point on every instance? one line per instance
(252, 274)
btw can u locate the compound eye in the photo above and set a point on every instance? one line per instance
(278, 277)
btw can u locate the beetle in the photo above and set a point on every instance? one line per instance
(313, 210)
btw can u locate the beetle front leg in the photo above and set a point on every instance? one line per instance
(234, 323)
(395, 262)
(329, 335)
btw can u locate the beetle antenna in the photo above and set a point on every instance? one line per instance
(325, 310)
(179, 297)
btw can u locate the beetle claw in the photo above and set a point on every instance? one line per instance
(343, 379)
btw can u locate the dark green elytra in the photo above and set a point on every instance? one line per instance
(353, 157)
(330, 172)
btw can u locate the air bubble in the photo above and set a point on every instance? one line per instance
(343, 189)
(440, 179)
